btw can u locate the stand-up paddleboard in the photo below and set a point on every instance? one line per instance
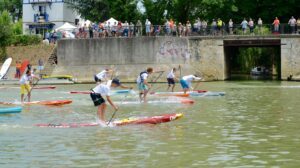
(23, 66)
(44, 87)
(58, 77)
(130, 121)
(182, 101)
(114, 92)
(195, 94)
(48, 103)
(5, 67)
(190, 93)
(10, 110)
(36, 87)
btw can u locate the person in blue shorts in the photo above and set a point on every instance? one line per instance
(186, 82)
(143, 84)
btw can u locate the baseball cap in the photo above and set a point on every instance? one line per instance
(116, 81)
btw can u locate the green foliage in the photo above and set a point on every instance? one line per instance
(14, 8)
(5, 33)
(100, 10)
(26, 40)
(248, 58)
(18, 28)
(265, 30)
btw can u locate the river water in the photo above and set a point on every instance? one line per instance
(256, 124)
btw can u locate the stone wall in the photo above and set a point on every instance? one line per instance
(204, 56)
(290, 58)
(129, 56)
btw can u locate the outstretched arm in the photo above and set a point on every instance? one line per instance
(111, 103)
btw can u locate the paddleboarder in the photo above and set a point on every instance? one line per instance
(171, 79)
(25, 83)
(143, 84)
(103, 75)
(98, 94)
(186, 82)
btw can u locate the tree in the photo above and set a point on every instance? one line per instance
(5, 33)
(14, 7)
(100, 10)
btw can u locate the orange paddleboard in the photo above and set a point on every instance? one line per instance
(48, 103)
(24, 66)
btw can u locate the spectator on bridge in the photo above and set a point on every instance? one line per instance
(91, 33)
(276, 24)
(174, 28)
(230, 26)
(119, 29)
(292, 23)
(220, 26)
(131, 29)
(244, 26)
(204, 27)
(188, 28)
(126, 29)
(298, 25)
(138, 28)
(214, 27)
(251, 26)
(180, 29)
(259, 24)
(167, 28)
(148, 27)
(114, 29)
(199, 24)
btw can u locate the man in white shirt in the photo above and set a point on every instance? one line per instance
(186, 82)
(143, 84)
(102, 76)
(171, 79)
(100, 91)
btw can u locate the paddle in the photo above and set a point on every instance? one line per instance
(161, 73)
(31, 90)
(112, 117)
(116, 111)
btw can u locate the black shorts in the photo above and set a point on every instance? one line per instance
(96, 79)
(97, 99)
(171, 81)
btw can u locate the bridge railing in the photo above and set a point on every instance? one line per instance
(181, 31)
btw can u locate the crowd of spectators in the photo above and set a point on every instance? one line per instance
(198, 27)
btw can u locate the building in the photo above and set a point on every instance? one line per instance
(41, 16)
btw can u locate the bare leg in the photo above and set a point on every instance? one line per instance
(29, 95)
(145, 95)
(173, 88)
(185, 90)
(22, 98)
(141, 96)
(101, 111)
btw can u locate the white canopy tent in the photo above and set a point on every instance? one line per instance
(111, 21)
(66, 27)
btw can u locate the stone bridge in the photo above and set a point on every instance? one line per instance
(205, 56)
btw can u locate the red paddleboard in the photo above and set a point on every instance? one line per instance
(130, 121)
(48, 103)
(24, 66)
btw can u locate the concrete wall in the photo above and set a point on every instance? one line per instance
(290, 58)
(85, 57)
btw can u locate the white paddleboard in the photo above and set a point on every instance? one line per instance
(5, 67)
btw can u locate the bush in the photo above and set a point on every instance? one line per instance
(26, 40)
